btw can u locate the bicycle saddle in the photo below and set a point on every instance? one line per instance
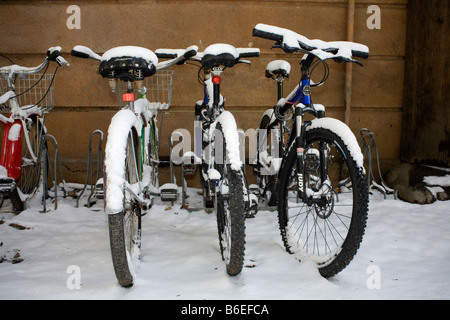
(128, 63)
(278, 67)
(220, 54)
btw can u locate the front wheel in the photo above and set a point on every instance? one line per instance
(125, 227)
(230, 210)
(322, 212)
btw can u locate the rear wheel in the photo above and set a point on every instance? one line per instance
(30, 175)
(125, 227)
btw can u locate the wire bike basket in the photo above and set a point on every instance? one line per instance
(159, 89)
(31, 90)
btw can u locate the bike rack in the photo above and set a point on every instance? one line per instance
(44, 158)
(367, 143)
(169, 191)
(89, 171)
(189, 164)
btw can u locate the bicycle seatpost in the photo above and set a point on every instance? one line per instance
(216, 80)
(280, 80)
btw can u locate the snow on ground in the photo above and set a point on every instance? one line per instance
(404, 255)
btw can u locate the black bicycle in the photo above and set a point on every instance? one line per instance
(218, 155)
(320, 188)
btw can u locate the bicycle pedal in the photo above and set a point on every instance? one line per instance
(190, 163)
(254, 189)
(7, 184)
(169, 192)
(99, 190)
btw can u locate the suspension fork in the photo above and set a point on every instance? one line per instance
(300, 129)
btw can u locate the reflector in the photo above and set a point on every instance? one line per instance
(216, 79)
(128, 96)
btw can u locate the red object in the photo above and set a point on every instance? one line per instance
(216, 79)
(11, 157)
(127, 97)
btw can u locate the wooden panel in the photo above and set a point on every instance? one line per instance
(426, 124)
(84, 101)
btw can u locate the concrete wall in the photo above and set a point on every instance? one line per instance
(84, 101)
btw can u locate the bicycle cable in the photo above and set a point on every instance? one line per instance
(48, 89)
(325, 75)
(34, 85)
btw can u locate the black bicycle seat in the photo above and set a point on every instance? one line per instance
(128, 63)
(278, 67)
(220, 54)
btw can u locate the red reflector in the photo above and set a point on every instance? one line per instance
(127, 97)
(216, 80)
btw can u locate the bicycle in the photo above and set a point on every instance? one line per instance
(20, 163)
(131, 157)
(320, 188)
(217, 152)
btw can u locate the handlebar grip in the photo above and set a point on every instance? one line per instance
(85, 53)
(53, 53)
(79, 54)
(165, 55)
(266, 35)
(249, 54)
(190, 53)
(360, 54)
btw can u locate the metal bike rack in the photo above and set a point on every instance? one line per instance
(89, 170)
(44, 157)
(367, 144)
(169, 191)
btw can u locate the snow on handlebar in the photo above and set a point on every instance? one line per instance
(291, 41)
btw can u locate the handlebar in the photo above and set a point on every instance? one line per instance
(291, 41)
(219, 53)
(178, 57)
(53, 54)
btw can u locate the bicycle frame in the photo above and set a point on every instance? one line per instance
(301, 98)
(147, 123)
(211, 93)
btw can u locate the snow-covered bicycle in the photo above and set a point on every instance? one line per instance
(28, 96)
(320, 188)
(218, 152)
(131, 158)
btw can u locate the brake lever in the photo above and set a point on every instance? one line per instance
(62, 62)
(276, 46)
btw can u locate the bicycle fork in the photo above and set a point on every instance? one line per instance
(300, 139)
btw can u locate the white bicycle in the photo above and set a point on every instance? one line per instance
(131, 150)
(28, 96)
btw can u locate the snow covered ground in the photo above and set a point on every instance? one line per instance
(404, 255)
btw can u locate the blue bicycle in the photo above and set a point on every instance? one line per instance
(314, 175)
